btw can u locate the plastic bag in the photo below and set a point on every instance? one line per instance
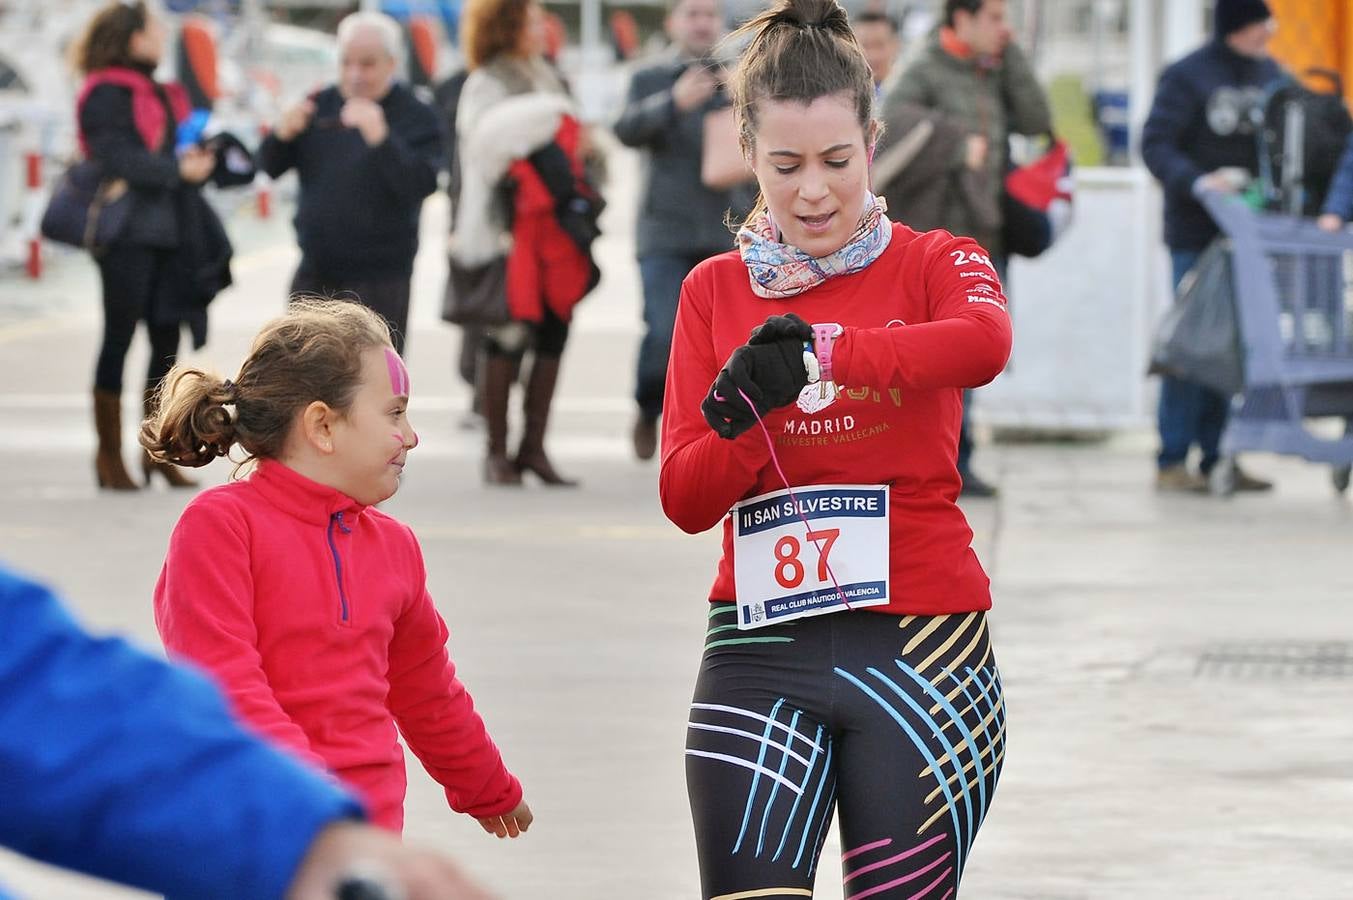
(1199, 338)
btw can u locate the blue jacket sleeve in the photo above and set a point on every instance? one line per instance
(1339, 200)
(119, 765)
(1176, 106)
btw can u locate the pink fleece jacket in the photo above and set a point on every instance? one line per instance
(313, 614)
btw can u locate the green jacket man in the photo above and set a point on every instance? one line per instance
(972, 72)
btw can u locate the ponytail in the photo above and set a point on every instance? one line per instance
(190, 424)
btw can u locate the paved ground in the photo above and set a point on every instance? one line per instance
(1166, 739)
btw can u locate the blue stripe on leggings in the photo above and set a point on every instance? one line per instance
(924, 751)
(950, 750)
(817, 795)
(756, 778)
(803, 786)
(775, 788)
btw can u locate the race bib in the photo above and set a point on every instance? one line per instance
(783, 571)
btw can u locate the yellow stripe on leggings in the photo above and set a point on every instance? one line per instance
(954, 777)
(915, 640)
(945, 807)
(962, 745)
(766, 892)
(986, 655)
(963, 712)
(948, 642)
(962, 654)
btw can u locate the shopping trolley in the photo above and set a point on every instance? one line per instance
(1293, 287)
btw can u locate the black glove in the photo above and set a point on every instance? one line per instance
(771, 375)
(778, 328)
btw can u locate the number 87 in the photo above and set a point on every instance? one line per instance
(787, 557)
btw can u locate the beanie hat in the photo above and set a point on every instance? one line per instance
(1233, 15)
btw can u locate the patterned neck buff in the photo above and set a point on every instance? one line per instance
(780, 270)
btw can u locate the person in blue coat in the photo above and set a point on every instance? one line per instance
(119, 765)
(1338, 206)
(1201, 136)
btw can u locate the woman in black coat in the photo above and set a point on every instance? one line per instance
(128, 124)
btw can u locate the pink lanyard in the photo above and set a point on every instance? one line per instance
(776, 460)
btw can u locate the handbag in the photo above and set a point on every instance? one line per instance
(86, 209)
(1036, 201)
(476, 295)
(722, 165)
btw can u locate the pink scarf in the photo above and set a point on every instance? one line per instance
(147, 110)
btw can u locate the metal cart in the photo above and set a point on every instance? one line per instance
(1293, 287)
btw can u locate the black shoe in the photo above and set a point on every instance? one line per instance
(976, 487)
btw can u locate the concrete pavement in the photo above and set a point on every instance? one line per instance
(1178, 669)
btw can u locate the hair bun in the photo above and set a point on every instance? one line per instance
(829, 14)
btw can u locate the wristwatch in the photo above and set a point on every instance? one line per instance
(817, 354)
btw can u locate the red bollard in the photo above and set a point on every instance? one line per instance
(33, 265)
(263, 185)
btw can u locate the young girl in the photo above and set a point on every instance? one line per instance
(308, 604)
(872, 684)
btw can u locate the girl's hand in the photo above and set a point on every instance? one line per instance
(509, 825)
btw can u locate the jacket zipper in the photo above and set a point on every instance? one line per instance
(337, 519)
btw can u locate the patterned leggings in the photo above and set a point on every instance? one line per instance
(899, 720)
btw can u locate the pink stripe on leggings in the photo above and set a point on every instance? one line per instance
(923, 891)
(869, 892)
(892, 859)
(866, 848)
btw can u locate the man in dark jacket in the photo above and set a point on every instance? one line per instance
(367, 152)
(681, 221)
(1201, 136)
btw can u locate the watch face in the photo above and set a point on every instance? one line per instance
(817, 397)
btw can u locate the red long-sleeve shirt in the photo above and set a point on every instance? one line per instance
(922, 322)
(312, 612)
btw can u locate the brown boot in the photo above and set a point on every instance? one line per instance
(1177, 479)
(108, 467)
(172, 474)
(495, 387)
(539, 395)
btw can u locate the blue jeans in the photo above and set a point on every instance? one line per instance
(1189, 414)
(661, 275)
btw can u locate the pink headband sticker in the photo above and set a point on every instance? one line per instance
(399, 376)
